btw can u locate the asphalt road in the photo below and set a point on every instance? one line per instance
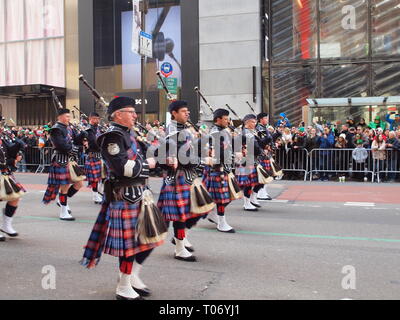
(289, 249)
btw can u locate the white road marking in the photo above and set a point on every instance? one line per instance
(360, 204)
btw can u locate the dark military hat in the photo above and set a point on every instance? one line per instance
(62, 111)
(176, 105)
(219, 113)
(119, 103)
(262, 115)
(249, 117)
(94, 114)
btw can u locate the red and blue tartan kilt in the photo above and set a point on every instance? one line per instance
(58, 175)
(246, 176)
(93, 169)
(217, 185)
(265, 163)
(114, 233)
(174, 200)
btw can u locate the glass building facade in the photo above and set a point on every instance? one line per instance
(329, 49)
(117, 68)
(32, 53)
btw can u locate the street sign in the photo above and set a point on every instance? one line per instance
(146, 44)
(171, 83)
(166, 69)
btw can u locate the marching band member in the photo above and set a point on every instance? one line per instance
(262, 129)
(115, 232)
(181, 163)
(246, 172)
(11, 190)
(216, 177)
(65, 141)
(93, 164)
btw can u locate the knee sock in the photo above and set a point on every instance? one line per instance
(10, 211)
(94, 186)
(142, 256)
(179, 230)
(71, 192)
(258, 188)
(190, 223)
(125, 264)
(247, 192)
(63, 198)
(221, 209)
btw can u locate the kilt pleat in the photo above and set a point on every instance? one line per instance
(58, 175)
(174, 200)
(93, 169)
(114, 233)
(246, 176)
(218, 186)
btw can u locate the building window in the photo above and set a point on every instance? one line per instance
(32, 42)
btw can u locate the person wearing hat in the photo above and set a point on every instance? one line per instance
(180, 162)
(215, 176)
(263, 132)
(394, 123)
(283, 120)
(65, 141)
(115, 232)
(246, 171)
(10, 155)
(377, 123)
(93, 163)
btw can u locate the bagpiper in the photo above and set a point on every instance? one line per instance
(115, 231)
(247, 170)
(216, 177)
(10, 190)
(263, 132)
(176, 200)
(65, 176)
(94, 163)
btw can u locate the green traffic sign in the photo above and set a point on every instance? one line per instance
(171, 83)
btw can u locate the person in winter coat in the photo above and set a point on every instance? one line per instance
(378, 148)
(325, 141)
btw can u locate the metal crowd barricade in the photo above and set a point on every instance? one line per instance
(295, 160)
(355, 162)
(41, 158)
(389, 167)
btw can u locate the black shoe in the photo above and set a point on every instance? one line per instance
(12, 235)
(188, 259)
(118, 297)
(190, 249)
(142, 292)
(2, 238)
(59, 204)
(251, 209)
(229, 231)
(256, 205)
(67, 219)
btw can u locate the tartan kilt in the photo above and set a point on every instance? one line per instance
(246, 176)
(114, 233)
(217, 185)
(174, 200)
(265, 163)
(58, 174)
(93, 169)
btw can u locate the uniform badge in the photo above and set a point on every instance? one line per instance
(113, 149)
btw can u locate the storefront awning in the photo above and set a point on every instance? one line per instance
(354, 101)
(30, 91)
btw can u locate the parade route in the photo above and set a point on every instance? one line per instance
(287, 250)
